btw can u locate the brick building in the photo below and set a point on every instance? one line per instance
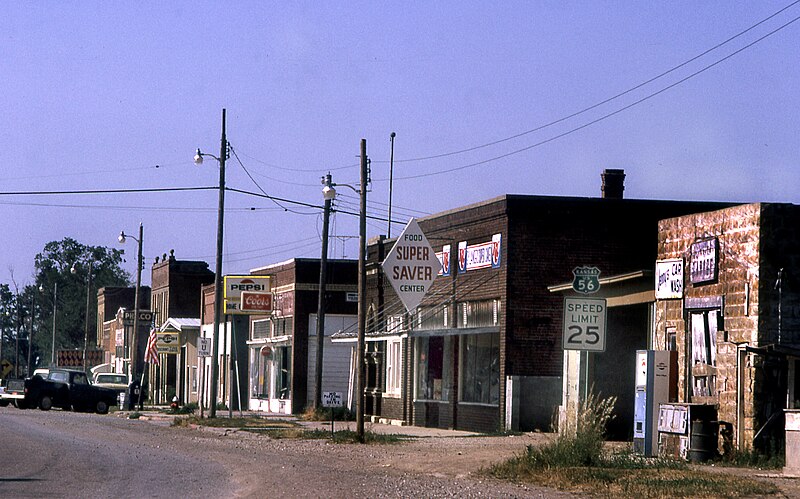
(282, 346)
(490, 322)
(109, 301)
(176, 286)
(736, 324)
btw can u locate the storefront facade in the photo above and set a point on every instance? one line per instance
(736, 321)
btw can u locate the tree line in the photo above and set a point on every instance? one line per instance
(54, 304)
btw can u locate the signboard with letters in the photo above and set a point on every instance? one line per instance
(168, 342)
(411, 266)
(705, 261)
(248, 294)
(669, 279)
(145, 317)
(204, 347)
(584, 324)
(479, 256)
(587, 280)
(332, 399)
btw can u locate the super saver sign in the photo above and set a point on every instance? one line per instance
(411, 266)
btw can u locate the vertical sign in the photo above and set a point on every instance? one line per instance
(584, 324)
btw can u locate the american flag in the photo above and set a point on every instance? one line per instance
(151, 354)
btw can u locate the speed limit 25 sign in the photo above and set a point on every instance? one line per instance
(585, 324)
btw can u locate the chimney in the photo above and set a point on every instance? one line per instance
(613, 183)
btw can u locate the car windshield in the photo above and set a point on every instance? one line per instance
(119, 379)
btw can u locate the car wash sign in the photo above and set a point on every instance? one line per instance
(411, 266)
(248, 294)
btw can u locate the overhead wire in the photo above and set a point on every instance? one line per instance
(603, 117)
(604, 101)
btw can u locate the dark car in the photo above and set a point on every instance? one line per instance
(68, 389)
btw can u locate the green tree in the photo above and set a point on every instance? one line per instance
(67, 264)
(7, 314)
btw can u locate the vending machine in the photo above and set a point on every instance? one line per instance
(654, 386)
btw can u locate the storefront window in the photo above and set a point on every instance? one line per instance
(283, 375)
(704, 352)
(394, 366)
(480, 368)
(259, 371)
(434, 372)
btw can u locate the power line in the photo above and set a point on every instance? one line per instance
(605, 101)
(106, 191)
(262, 190)
(603, 117)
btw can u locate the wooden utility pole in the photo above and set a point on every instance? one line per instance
(362, 296)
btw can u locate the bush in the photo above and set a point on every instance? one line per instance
(324, 414)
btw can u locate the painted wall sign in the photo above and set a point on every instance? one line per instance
(669, 279)
(479, 256)
(444, 260)
(705, 261)
(587, 280)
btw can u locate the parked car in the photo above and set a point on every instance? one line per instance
(68, 389)
(115, 381)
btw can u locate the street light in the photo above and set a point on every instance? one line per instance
(198, 159)
(133, 355)
(74, 270)
(55, 306)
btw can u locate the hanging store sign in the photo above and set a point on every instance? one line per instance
(479, 256)
(168, 342)
(444, 259)
(669, 279)
(705, 261)
(411, 266)
(145, 317)
(236, 285)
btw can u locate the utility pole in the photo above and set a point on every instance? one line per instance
(86, 323)
(16, 346)
(55, 307)
(391, 172)
(362, 296)
(218, 309)
(30, 333)
(323, 279)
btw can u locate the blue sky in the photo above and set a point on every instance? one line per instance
(94, 95)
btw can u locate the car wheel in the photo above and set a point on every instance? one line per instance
(45, 403)
(101, 407)
(3, 403)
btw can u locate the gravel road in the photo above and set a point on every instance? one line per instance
(65, 454)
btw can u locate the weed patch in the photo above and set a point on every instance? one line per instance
(575, 461)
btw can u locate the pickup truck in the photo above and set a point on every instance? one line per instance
(12, 391)
(67, 389)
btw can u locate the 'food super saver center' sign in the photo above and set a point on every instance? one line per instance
(411, 266)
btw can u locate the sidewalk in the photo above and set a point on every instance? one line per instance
(161, 414)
